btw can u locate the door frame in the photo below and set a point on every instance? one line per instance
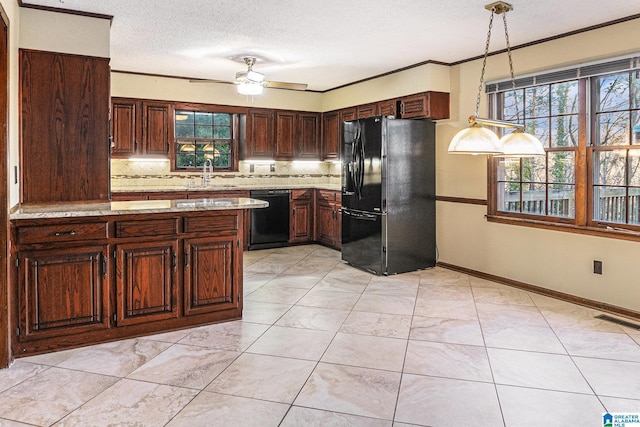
(5, 355)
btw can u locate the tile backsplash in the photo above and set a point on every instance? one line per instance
(132, 174)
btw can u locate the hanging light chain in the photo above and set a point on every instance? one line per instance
(484, 62)
(513, 79)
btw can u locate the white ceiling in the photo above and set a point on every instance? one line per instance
(325, 43)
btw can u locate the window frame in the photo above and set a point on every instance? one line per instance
(583, 222)
(234, 146)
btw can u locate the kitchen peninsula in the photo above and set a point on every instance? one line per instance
(96, 272)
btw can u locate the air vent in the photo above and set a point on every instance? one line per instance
(618, 321)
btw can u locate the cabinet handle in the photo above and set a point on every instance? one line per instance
(186, 259)
(175, 260)
(104, 266)
(64, 233)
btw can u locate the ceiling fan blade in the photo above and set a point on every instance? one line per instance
(285, 85)
(209, 81)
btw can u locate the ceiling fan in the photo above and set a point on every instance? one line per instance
(252, 82)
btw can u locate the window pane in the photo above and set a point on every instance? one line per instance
(509, 169)
(204, 119)
(510, 196)
(204, 131)
(540, 129)
(534, 169)
(184, 131)
(562, 167)
(222, 119)
(534, 199)
(564, 98)
(562, 200)
(609, 167)
(537, 101)
(635, 136)
(634, 168)
(510, 112)
(184, 117)
(564, 131)
(222, 133)
(634, 205)
(612, 128)
(609, 204)
(612, 92)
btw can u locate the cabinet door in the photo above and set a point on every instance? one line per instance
(124, 129)
(300, 222)
(428, 105)
(210, 281)
(309, 136)
(146, 282)
(157, 123)
(285, 135)
(325, 224)
(331, 135)
(64, 127)
(387, 108)
(62, 292)
(347, 114)
(337, 237)
(366, 110)
(260, 139)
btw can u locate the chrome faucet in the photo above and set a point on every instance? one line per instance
(207, 170)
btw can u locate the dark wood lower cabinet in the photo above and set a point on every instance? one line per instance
(146, 282)
(211, 274)
(62, 291)
(329, 218)
(85, 280)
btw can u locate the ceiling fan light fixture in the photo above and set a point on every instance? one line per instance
(250, 88)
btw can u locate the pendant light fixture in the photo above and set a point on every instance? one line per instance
(477, 139)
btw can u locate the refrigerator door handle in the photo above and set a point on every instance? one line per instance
(358, 215)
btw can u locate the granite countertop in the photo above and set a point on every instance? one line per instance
(66, 210)
(213, 187)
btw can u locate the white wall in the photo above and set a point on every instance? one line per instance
(174, 89)
(555, 260)
(65, 33)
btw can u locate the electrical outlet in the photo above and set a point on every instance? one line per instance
(273, 167)
(597, 267)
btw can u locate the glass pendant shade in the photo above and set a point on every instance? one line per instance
(475, 140)
(246, 88)
(520, 144)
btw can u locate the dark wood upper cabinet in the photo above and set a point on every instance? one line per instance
(331, 135)
(309, 133)
(64, 121)
(124, 132)
(140, 128)
(260, 139)
(366, 110)
(285, 135)
(347, 114)
(388, 107)
(427, 105)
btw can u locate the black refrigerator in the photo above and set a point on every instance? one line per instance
(388, 194)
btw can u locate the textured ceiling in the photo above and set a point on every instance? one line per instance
(325, 43)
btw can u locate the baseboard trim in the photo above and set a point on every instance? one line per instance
(585, 302)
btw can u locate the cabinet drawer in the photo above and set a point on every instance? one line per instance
(211, 224)
(301, 194)
(156, 227)
(327, 196)
(61, 233)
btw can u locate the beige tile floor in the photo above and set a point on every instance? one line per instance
(323, 344)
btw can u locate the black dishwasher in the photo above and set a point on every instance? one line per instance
(270, 225)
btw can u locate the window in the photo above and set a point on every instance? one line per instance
(542, 185)
(590, 128)
(202, 137)
(616, 151)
